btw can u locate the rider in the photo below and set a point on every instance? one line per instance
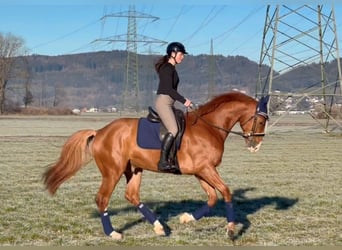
(167, 95)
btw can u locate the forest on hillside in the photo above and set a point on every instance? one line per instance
(98, 79)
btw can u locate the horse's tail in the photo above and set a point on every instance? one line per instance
(76, 153)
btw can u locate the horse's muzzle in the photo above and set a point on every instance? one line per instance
(253, 148)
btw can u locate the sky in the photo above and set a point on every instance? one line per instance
(78, 26)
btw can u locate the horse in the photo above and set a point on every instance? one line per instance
(116, 153)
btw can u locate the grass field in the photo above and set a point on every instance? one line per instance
(289, 193)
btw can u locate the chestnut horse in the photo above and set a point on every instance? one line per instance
(115, 151)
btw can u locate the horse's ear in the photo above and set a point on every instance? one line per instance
(262, 106)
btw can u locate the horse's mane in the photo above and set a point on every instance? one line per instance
(216, 101)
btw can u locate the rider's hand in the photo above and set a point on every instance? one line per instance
(188, 103)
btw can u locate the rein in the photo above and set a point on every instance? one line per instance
(244, 135)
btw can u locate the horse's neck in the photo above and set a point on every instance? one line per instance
(224, 118)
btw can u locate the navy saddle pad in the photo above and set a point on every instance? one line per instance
(148, 134)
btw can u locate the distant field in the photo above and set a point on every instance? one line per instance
(289, 193)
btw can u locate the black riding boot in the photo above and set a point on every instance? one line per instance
(163, 164)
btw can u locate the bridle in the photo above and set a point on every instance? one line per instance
(244, 135)
(252, 133)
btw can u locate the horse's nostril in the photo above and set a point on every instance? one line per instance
(254, 147)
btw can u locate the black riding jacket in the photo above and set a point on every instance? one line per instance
(168, 82)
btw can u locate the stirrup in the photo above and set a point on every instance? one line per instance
(165, 167)
(163, 164)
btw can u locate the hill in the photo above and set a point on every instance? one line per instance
(97, 79)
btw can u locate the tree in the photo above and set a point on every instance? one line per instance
(28, 98)
(26, 74)
(60, 95)
(10, 48)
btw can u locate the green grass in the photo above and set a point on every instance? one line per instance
(289, 193)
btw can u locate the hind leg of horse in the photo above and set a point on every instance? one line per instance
(102, 200)
(133, 196)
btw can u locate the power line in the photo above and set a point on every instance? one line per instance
(206, 21)
(223, 36)
(181, 13)
(66, 35)
(219, 39)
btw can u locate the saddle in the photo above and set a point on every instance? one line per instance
(153, 116)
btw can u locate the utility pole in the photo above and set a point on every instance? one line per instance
(211, 84)
(132, 38)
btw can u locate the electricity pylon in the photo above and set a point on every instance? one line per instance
(296, 37)
(131, 84)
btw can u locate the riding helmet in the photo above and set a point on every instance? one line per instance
(175, 47)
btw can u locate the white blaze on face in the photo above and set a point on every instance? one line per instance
(255, 148)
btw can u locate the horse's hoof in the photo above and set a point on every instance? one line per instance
(159, 229)
(231, 235)
(186, 218)
(230, 230)
(116, 235)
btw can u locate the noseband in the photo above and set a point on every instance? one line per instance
(253, 133)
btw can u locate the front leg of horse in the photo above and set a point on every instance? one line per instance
(205, 210)
(231, 220)
(212, 200)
